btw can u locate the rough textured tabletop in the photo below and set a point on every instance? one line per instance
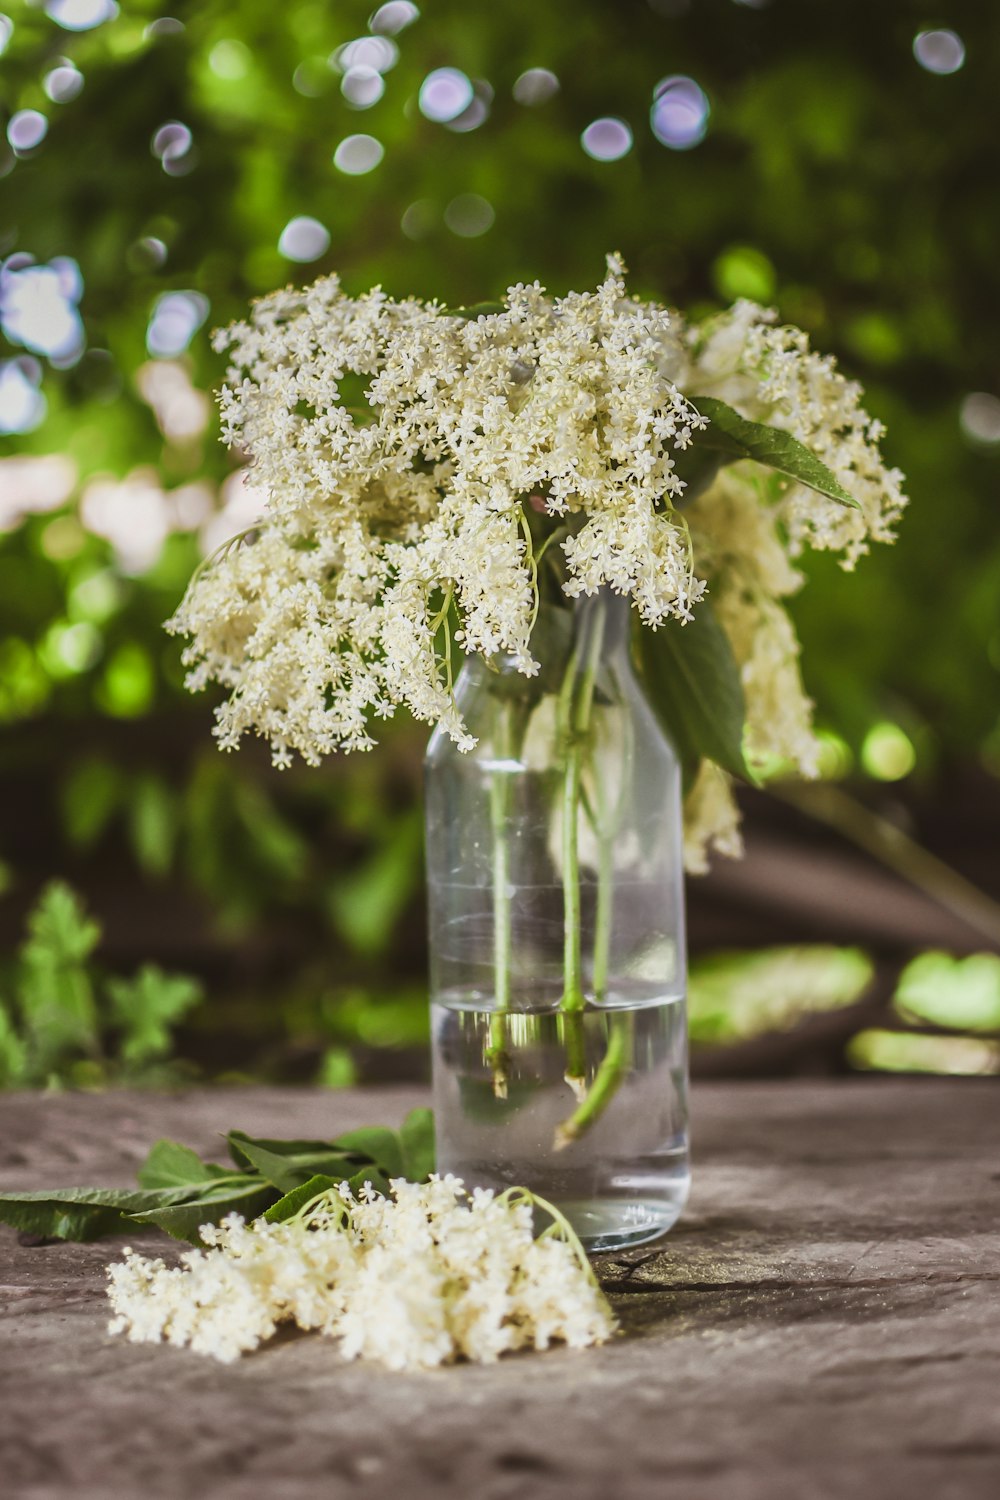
(825, 1321)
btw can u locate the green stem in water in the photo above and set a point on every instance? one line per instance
(496, 1052)
(602, 917)
(574, 719)
(607, 1080)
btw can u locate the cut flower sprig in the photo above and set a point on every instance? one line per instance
(421, 1277)
(433, 476)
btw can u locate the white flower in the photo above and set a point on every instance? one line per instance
(413, 460)
(398, 445)
(426, 1277)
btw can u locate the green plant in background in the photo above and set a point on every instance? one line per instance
(735, 996)
(62, 1022)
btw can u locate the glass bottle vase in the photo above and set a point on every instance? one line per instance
(556, 904)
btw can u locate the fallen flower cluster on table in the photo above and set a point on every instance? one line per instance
(428, 1276)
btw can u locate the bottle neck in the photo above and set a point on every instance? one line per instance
(601, 625)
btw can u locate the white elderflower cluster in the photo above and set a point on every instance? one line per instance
(749, 525)
(424, 470)
(398, 445)
(770, 374)
(420, 1279)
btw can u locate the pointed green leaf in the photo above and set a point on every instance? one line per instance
(169, 1164)
(380, 1144)
(248, 1196)
(419, 1151)
(77, 1213)
(693, 685)
(738, 437)
(236, 1138)
(288, 1206)
(286, 1171)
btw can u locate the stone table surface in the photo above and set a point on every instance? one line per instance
(824, 1322)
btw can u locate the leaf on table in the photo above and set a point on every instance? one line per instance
(693, 684)
(737, 437)
(292, 1202)
(170, 1165)
(247, 1196)
(77, 1213)
(288, 1206)
(379, 1144)
(419, 1148)
(235, 1140)
(286, 1169)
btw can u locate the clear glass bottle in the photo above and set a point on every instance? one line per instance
(558, 970)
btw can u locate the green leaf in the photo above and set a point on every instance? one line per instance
(288, 1206)
(693, 685)
(236, 1140)
(288, 1170)
(152, 824)
(419, 1149)
(76, 1213)
(367, 907)
(90, 797)
(248, 1196)
(171, 1165)
(55, 991)
(13, 1054)
(738, 438)
(59, 931)
(380, 1144)
(146, 1005)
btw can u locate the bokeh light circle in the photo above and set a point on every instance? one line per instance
(980, 417)
(939, 51)
(366, 52)
(304, 239)
(81, 15)
(607, 139)
(679, 114)
(469, 215)
(535, 86)
(63, 83)
(27, 129)
(175, 320)
(393, 17)
(358, 154)
(362, 87)
(444, 94)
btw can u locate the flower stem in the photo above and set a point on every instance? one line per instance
(574, 717)
(607, 1080)
(497, 1055)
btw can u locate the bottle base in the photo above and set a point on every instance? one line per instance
(609, 1224)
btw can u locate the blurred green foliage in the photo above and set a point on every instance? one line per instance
(63, 1022)
(838, 179)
